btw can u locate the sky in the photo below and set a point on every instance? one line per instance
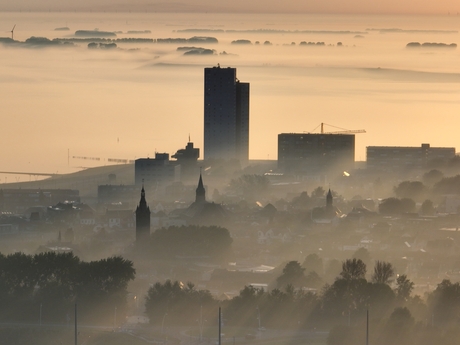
(254, 6)
(139, 99)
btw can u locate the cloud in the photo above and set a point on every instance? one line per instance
(241, 6)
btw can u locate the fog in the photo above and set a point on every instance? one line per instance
(240, 6)
(141, 98)
(301, 241)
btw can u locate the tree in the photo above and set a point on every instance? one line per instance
(383, 272)
(313, 263)
(353, 269)
(318, 192)
(313, 280)
(444, 303)
(427, 208)
(431, 177)
(407, 205)
(392, 206)
(302, 201)
(410, 189)
(57, 280)
(293, 274)
(344, 297)
(404, 287)
(398, 329)
(448, 185)
(362, 254)
(182, 303)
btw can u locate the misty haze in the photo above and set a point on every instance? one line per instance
(209, 178)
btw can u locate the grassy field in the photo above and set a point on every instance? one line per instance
(36, 336)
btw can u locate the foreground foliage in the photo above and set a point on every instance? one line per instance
(52, 283)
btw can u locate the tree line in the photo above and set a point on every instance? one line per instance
(396, 315)
(48, 285)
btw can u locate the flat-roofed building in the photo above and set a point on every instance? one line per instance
(309, 153)
(157, 172)
(391, 158)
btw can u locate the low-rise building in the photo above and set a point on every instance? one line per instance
(397, 158)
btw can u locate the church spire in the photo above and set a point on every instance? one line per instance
(142, 202)
(200, 191)
(329, 200)
(142, 219)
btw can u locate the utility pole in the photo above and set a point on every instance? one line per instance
(367, 327)
(220, 327)
(76, 333)
(115, 319)
(201, 322)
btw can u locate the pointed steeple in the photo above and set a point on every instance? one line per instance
(142, 202)
(142, 219)
(329, 200)
(200, 191)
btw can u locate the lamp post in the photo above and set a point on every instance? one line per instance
(115, 319)
(201, 323)
(163, 323)
(41, 305)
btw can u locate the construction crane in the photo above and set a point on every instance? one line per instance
(342, 130)
(88, 158)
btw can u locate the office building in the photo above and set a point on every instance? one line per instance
(226, 115)
(391, 158)
(187, 159)
(307, 153)
(157, 172)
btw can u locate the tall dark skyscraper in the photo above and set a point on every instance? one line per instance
(226, 115)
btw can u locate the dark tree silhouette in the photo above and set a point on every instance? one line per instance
(293, 274)
(313, 263)
(427, 208)
(404, 287)
(353, 269)
(383, 272)
(392, 206)
(410, 189)
(362, 254)
(432, 177)
(181, 303)
(444, 303)
(318, 192)
(448, 185)
(55, 281)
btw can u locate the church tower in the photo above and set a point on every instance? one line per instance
(200, 192)
(329, 207)
(142, 219)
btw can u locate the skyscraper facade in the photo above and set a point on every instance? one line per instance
(226, 115)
